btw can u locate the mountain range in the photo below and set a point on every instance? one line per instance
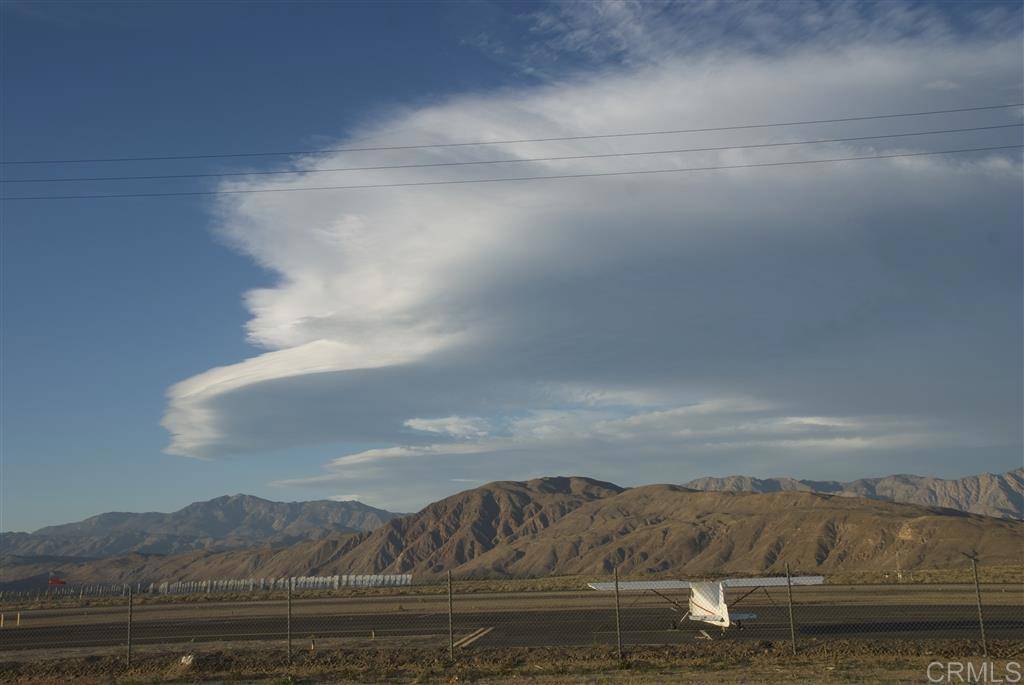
(573, 525)
(581, 526)
(224, 523)
(988, 494)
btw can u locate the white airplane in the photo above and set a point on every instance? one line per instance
(707, 598)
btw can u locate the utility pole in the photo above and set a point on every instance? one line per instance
(792, 623)
(977, 595)
(129, 660)
(618, 626)
(288, 626)
(451, 623)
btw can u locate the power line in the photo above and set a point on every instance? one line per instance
(222, 155)
(502, 161)
(503, 180)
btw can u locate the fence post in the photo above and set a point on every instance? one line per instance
(618, 628)
(288, 626)
(977, 595)
(451, 622)
(792, 623)
(129, 627)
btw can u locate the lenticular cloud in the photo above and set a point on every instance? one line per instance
(845, 307)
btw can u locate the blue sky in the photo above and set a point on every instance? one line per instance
(90, 347)
(402, 345)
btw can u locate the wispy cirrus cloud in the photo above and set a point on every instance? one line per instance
(632, 33)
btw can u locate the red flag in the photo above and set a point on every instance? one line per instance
(54, 580)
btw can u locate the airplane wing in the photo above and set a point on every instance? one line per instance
(641, 585)
(772, 581)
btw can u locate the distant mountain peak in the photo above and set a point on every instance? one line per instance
(227, 522)
(989, 494)
(568, 485)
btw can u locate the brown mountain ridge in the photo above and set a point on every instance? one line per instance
(573, 525)
(220, 524)
(991, 494)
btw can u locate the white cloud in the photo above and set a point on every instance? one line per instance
(634, 33)
(453, 426)
(339, 468)
(713, 426)
(827, 307)
(194, 424)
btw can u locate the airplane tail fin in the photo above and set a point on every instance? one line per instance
(707, 603)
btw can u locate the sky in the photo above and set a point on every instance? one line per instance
(398, 344)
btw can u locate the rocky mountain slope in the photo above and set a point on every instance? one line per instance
(988, 494)
(229, 522)
(544, 527)
(578, 525)
(457, 529)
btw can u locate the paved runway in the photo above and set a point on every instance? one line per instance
(554, 627)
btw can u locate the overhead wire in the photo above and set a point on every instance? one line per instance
(511, 160)
(510, 179)
(224, 155)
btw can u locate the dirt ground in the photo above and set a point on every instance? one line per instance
(773, 662)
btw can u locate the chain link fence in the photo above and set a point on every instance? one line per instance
(458, 615)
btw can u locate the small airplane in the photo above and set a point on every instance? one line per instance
(707, 597)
